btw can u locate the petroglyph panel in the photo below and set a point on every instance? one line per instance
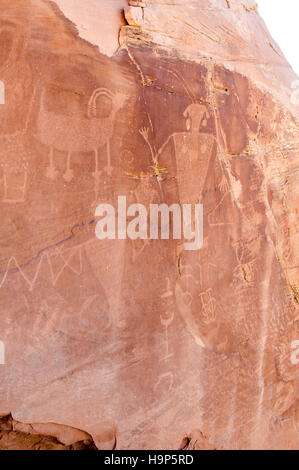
(140, 343)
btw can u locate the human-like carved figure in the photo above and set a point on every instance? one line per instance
(193, 150)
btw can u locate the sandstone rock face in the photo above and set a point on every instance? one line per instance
(19, 436)
(141, 344)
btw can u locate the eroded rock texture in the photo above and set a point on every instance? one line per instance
(139, 343)
(19, 436)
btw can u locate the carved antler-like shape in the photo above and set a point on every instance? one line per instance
(92, 100)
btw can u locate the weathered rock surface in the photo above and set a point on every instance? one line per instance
(138, 343)
(18, 436)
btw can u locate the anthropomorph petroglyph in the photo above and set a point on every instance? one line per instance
(193, 151)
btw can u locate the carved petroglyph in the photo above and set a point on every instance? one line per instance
(167, 378)
(14, 164)
(48, 258)
(144, 131)
(85, 320)
(199, 308)
(167, 318)
(245, 269)
(137, 250)
(223, 185)
(245, 272)
(208, 303)
(215, 216)
(286, 399)
(15, 183)
(14, 161)
(73, 134)
(2, 92)
(2, 353)
(139, 194)
(193, 151)
(184, 304)
(295, 352)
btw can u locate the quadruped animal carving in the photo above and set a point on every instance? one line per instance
(73, 134)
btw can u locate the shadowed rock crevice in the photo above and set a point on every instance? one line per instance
(197, 440)
(13, 439)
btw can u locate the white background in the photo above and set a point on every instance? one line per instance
(282, 20)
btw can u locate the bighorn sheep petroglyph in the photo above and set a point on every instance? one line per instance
(73, 134)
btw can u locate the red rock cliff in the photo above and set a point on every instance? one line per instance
(140, 344)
